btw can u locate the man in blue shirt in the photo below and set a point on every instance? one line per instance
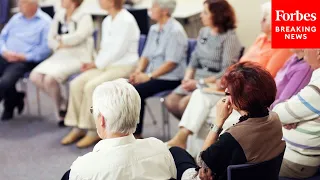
(23, 44)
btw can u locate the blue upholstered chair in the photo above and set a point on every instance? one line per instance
(268, 170)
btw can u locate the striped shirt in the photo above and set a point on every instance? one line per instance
(217, 52)
(303, 143)
(168, 44)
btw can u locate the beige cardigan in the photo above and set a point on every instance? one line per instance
(80, 39)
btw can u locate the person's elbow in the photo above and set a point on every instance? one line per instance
(171, 65)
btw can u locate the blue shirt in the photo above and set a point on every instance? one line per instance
(169, 44)
(27, 36)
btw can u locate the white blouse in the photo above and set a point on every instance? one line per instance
(120, 39)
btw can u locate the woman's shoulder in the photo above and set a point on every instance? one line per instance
(59, 15)
(126, 16)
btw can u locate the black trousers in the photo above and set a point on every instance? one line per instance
(66, 175)
(10, 73)
(149, 89)
(183, 160)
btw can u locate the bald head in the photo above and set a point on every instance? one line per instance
(28, 7)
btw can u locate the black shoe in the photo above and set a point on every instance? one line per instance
(20, 102)
(7, 114)
(62, 114)
(10, 106)
(61, 124)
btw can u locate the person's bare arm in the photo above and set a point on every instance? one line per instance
(164, 69)
(143, 63)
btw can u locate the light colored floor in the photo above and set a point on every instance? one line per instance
(30, 148)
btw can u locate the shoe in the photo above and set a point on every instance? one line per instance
(72, 137)
(7, 114)
(61, 124)
(62, 113)
(20, 102)
(88, 141)
(10, 106)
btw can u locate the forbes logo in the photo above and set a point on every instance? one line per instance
(296, 16)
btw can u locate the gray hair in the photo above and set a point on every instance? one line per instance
(170, 5)
(119, 103)
(266, 11)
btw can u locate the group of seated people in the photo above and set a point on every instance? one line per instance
(253, 102)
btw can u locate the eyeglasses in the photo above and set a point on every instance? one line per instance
(227, 94)
(91, 110)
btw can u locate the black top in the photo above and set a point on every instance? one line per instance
(224, 152)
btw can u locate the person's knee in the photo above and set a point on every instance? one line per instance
(89, 88)
(172, 102)
(183, 104)
(197, 93)
(36, 78)
(50, 81)
(75, 85)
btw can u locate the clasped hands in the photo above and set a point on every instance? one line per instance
(138, 77)
(88, 66)
(12, 57)
(189, 84)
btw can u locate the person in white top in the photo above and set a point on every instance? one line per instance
(119, 156)
(116, 59)
(70, 37)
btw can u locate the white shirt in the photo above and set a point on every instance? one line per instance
(120, 39)
(125, 158)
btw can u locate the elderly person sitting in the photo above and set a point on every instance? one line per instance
(217, 48)
(203, 100)
(300, 117)
(294, 76)
(257, 137)
(117, 58)
(23, 44)
(70, 37)
(116, 108)
(163, 60)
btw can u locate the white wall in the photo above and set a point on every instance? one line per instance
(248, 14)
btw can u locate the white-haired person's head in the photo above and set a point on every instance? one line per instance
(162, 9)
(266, 18)
(28, 7)
(116, 109)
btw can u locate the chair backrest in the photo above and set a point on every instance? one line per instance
(142, 42)
(49, 10)
(142, 18)
(95, 37)
(191, 46)
(4, 11)
(268, 170)
(241, 53)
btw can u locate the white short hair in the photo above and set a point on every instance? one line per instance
(266, 11)
(170, 5)
(33, 1)
(119, 103)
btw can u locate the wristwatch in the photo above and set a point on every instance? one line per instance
(201, 81)
(215, 128)
(150, 76)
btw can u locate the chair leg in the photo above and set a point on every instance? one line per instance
(38, 101)
(24, 88)
(154, 121)
(165, 120)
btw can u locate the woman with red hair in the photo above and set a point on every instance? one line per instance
(257, 137)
